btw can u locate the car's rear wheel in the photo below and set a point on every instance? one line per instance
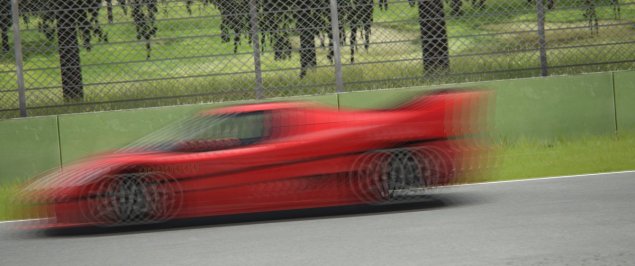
(401, 176)
(402, 172)
(388, 176)
(133, 198)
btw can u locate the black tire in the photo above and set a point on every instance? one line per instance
(387, 176)
(402, 174)
(138, 198)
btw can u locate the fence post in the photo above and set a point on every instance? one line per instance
(19, 63)
(540, 10)
(337, 56)
(253, 19)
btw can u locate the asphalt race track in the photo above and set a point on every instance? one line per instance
(584, 220)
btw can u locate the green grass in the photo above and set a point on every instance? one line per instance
(590, 154)
(9, 210)
(520, 159)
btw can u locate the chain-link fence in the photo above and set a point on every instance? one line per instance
(61, 56)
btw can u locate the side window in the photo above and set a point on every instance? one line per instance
(209, 133)
(252, 126)
(246, 128)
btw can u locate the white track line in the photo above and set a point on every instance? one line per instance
(21, 221)
(548, 178)
(473, 184)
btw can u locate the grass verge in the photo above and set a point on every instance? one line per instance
(584, 155)
(519, 159)
(9, 210)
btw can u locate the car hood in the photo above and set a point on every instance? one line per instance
(58, 182)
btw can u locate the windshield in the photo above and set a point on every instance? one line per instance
(206, 133)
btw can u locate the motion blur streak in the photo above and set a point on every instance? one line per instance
(273, 156)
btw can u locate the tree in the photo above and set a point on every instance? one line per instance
(589, 11)
(456, 6)
(278, 18)
(68, 21)
(308, 25)
(234, 20)
(592, 17)
(310, 19)
(143, 14)
(360, 18)
(434, 36)
(479, 4)
(277, 23)
(5, 24)
(73, 21)
(551, 4)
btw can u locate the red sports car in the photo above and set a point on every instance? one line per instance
(271, 156)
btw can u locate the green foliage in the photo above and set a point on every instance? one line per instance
(279, 20)
(144, 17)
(83, 15)
(5, 23)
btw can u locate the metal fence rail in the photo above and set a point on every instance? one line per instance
(62, 56)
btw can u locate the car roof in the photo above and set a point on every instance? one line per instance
(246, 108)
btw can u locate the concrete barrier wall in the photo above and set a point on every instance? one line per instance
(552, 107)
(625, 100)
(28, 147)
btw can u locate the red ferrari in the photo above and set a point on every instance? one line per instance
(268, 157)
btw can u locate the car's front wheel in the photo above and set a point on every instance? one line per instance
(133, 198)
